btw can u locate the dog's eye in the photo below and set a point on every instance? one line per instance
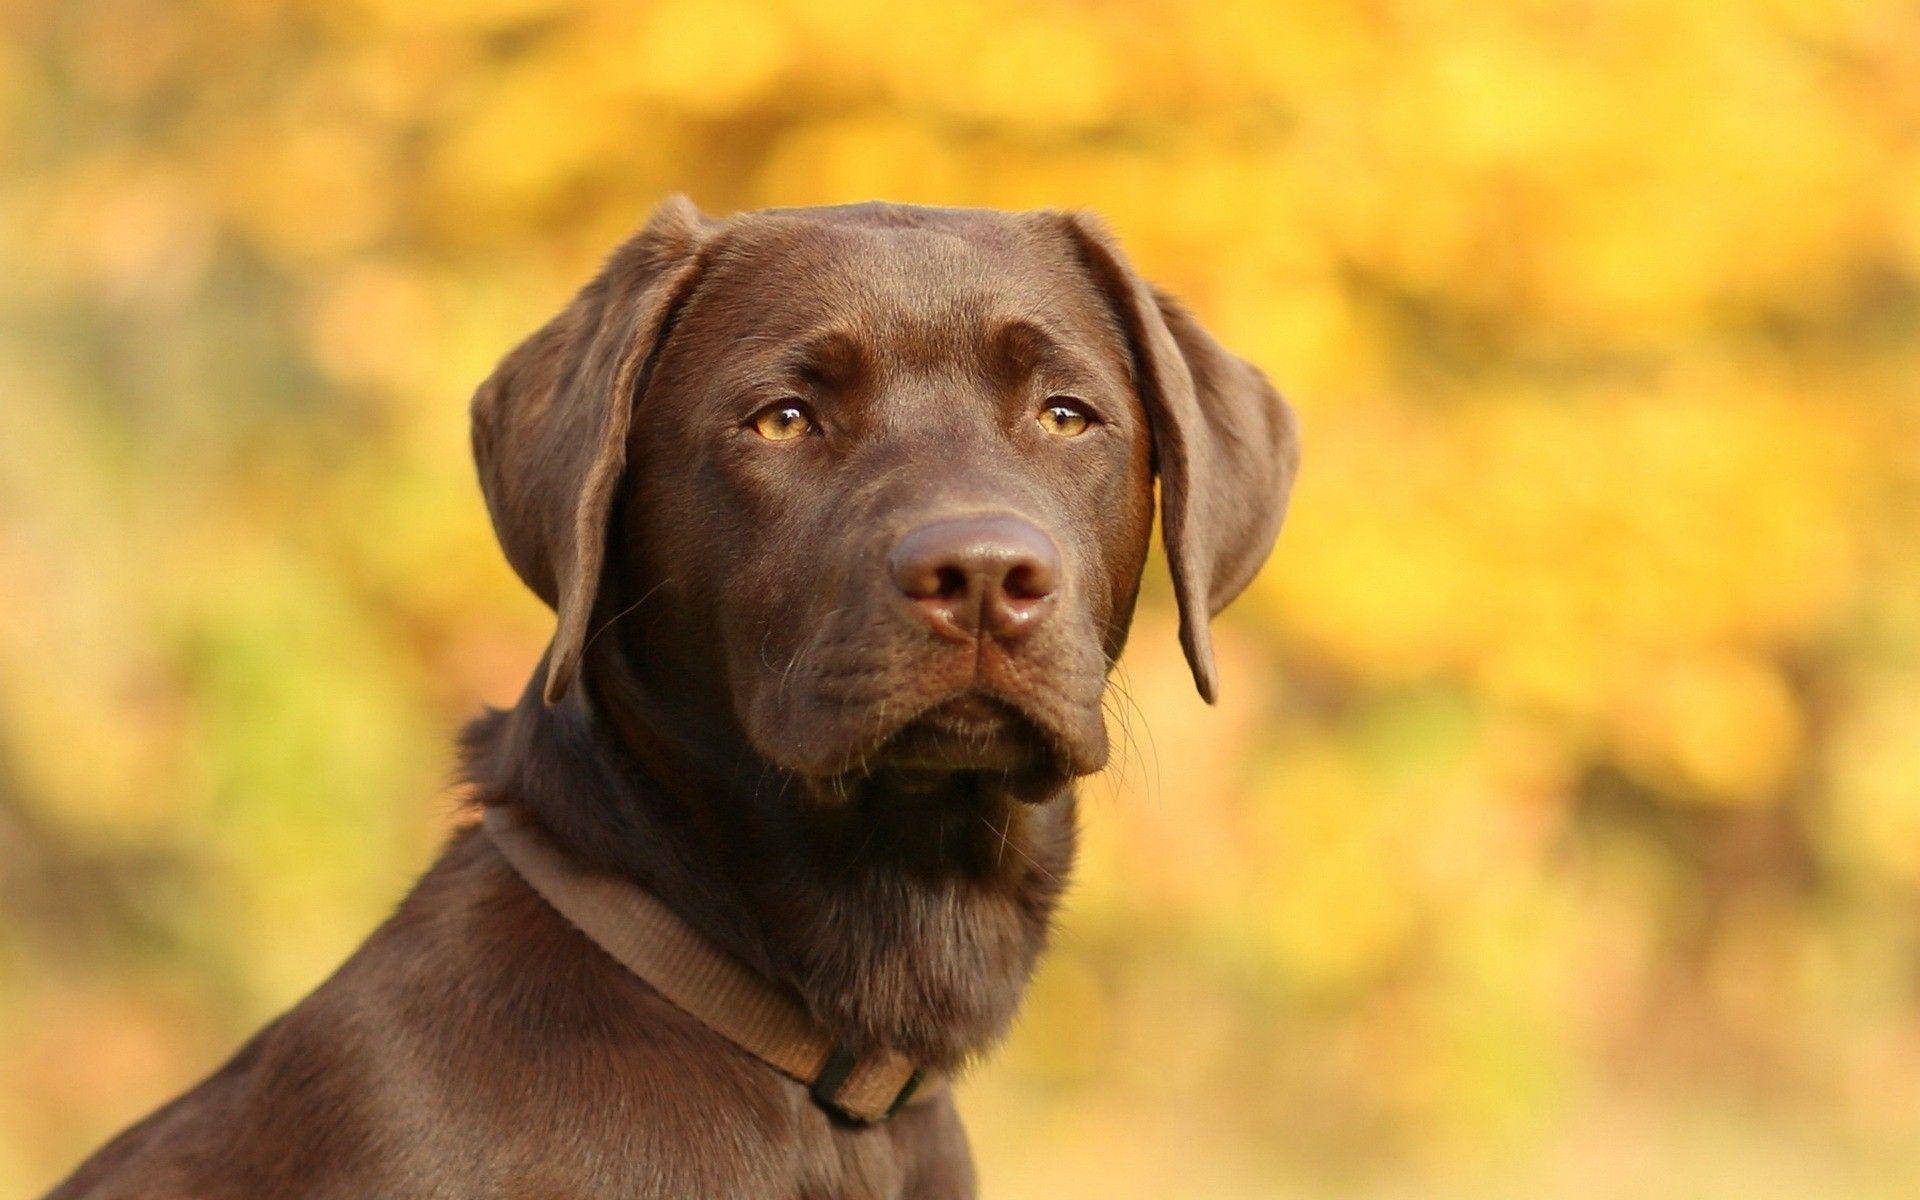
(782, 422)
(1066, 418)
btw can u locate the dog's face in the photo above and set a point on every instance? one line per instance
(904, 473)
(879, 480)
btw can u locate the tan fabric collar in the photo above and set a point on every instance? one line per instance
(644, 936)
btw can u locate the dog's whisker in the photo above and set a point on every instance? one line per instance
(1000, 852)
(1124, 689)
(1010, 844)
(623, 613)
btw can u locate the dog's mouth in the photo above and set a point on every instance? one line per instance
(972, 740)
(970, 732)
(1026, 745)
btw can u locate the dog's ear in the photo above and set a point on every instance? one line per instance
(1226, 446)
(550, 424)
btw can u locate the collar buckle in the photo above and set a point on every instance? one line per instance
(833, 1076)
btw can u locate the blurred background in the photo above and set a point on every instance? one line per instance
(1558, 833)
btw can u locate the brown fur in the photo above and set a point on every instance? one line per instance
(741, 713)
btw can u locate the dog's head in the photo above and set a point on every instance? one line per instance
(876, 482)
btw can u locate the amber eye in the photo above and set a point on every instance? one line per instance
(782, 422)
(1065, 418)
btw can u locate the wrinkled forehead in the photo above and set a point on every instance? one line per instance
(918, 294)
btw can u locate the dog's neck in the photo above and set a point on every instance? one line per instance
(910, 920)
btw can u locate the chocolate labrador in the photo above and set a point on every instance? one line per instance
(843, 513)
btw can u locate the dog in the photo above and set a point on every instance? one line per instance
(842, 513)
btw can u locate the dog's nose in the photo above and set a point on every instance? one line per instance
(965, 574)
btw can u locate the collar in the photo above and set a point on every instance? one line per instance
(719, 991)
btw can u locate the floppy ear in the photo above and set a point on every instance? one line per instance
(1226, 446)
(550, 423)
